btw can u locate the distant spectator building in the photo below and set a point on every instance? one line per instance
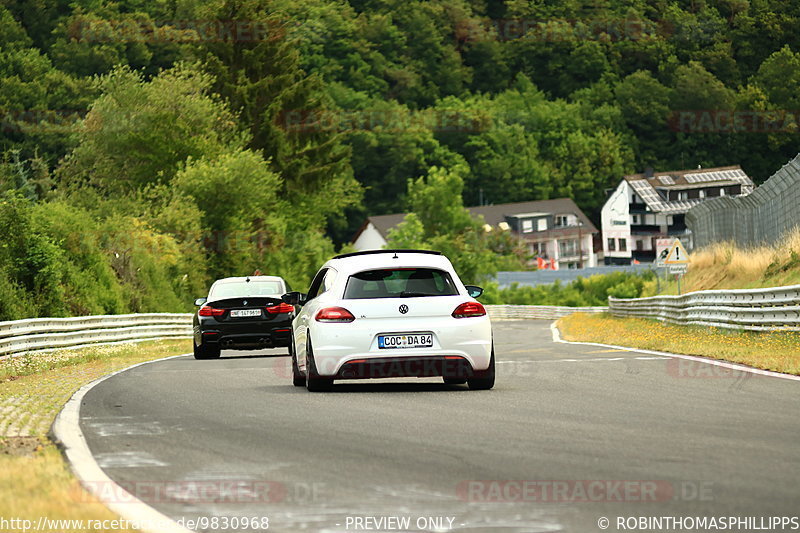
(556, 231)
(648, 206)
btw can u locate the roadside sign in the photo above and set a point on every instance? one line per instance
(662, 249)
(672, 256)
(677, 254)
(677, 269)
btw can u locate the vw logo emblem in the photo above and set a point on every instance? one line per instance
(404, 309)
(244, 302)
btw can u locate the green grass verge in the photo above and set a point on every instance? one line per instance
(35, 481)
(776, 351)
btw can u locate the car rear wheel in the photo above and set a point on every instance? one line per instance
(483, 379)
(298, 379)
(205, 351)
(315, 382)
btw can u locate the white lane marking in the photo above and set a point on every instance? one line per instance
(127, 460)
(67, 432)
(724, 364)
(587, 360)
(114, 429)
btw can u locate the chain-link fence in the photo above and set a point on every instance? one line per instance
(760, 218)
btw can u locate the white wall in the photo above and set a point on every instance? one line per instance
(616, 221)
(370, 239)
(588, 248)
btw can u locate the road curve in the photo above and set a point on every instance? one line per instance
(570, 434)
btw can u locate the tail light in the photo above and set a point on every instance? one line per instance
(469, 309)
(334, 314)
(282, 307)
(210, 311)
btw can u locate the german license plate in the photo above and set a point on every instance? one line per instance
(409, 340)
(241, 313)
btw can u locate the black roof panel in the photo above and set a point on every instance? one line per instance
(372, 252)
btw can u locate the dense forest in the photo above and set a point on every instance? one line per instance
(151, 146)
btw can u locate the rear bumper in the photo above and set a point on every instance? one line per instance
(401, 367)
(255, 340)
(466, 342)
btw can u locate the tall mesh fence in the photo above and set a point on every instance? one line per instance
(762, 217)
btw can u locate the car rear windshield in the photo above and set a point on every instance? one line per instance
(399, 283)
(241, 289)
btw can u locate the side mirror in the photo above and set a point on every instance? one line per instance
(200, 301)
(474, 291)
(294, 298)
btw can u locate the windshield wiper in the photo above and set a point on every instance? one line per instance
(406, 294)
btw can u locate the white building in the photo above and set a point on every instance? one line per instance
(554, 230)
(645, 207)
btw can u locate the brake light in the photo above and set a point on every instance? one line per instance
(210, 311)
(282, 307)
(469, 309)
(334, 314)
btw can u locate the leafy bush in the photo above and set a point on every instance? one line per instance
(30, 261)
(591, 291)
(59, 260)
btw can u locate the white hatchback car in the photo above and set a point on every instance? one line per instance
(390, 313)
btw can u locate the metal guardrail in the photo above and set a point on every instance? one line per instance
(775, 308)
(40, 334)
(520, 312)
(752, 309)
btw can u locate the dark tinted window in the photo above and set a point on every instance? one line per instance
(399, 283)
(239, 289)
(314, 290)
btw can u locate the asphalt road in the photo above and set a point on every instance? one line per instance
(568, 435)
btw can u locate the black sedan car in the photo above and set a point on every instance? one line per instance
(244, 313)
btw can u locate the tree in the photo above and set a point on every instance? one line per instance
(779, 77)
(645, 105)
(439, 221)
(390, 145)
(697, 88)
(507, 167)
(436, 200)
(140, 133)
(589, 164)
(243, 218)
(261, 79)
(38, 103)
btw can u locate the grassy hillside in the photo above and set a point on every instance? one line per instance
(725, 266)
